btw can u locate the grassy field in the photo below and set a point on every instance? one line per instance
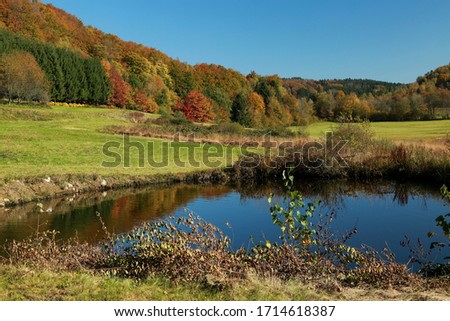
(41, 141)
(61, 140)
(410, 131)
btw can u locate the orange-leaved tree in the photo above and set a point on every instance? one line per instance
(257, 109)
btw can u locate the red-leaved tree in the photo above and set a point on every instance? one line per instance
(121, 91)
(196, 107)
(144, 103)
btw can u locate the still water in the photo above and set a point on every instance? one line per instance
(383, 212)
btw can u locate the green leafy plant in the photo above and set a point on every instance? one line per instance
(294, 219)
(443, 221)
(421, 254)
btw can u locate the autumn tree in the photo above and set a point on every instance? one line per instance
(222, 114)
(21, 78)
(196, 107)
(323, 106)
(263, 89)
(256, 109)
(182, 76)
(121, 91)
(306, 111)
(144, 103)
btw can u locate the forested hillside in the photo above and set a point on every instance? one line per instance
(84, 65)
(306, 88)
(135, 76)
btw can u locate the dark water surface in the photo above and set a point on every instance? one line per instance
(383, 212)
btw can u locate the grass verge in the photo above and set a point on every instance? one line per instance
(22, 283)
(26, 284)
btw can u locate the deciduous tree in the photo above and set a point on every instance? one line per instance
(256, 109)
(21, 78)
(196, 107)
(121, 91)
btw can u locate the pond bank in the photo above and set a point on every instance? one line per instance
(34, 189)
(253, 170)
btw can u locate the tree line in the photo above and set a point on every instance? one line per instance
(355, 100)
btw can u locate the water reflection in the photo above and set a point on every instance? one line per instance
(383, 211)
(120, 210)
(334, 192)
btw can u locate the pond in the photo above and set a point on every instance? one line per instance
(383, 212)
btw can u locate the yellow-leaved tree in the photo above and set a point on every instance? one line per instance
(21, 78)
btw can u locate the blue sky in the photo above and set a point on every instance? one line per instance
(394, 40)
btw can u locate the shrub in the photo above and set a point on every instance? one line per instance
(187, 249)
(229, 129)
(137, 117)
(421, 255)
(359, 136)
(180, 119)
(44, 250)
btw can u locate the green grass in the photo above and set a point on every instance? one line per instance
(45, 141)
(21, 283)
(37, 141)
(412, 131)
(25, 284)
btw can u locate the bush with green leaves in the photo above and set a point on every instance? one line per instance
(443, 221)
(295, 224)
(422, 255)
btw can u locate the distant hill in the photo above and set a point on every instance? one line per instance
(305, 88)
(440, 77)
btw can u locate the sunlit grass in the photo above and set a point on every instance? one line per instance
(21, 283)
(25, 284)
(66, 140)
(407, 131)
(38, 141)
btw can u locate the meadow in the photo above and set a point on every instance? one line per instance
(407, 131)
(58, 140)
(45, 141)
